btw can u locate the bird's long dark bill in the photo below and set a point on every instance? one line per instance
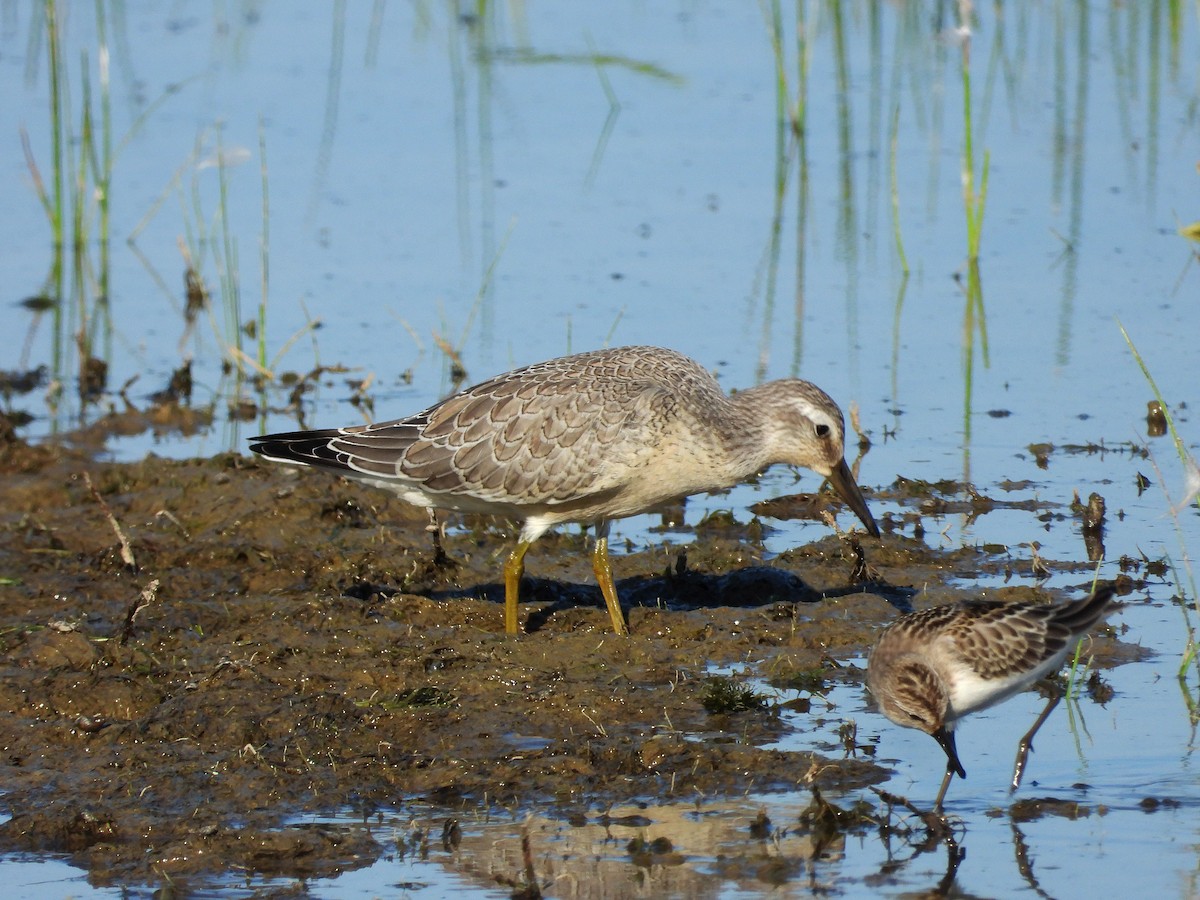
(946, 739)
(847, 488)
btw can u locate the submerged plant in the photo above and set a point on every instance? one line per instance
(974, 187)
(77, 192)
(1191, 496)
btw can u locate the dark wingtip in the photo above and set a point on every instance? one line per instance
(268, 444)
(1083, 614)
(304, 447)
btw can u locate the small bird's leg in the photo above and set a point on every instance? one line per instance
(945, 738)
(1026, 743)
(514, 568)
(602, 566)
(950, 770)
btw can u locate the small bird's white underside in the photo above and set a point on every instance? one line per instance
(969, 693)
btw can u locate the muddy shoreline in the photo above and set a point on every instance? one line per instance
(196, 651)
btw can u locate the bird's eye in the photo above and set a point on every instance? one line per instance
(822, 431)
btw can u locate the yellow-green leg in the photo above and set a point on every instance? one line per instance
(603, 569)
(514, 568)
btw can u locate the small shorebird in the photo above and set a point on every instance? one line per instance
(586, 438)
(931, 668)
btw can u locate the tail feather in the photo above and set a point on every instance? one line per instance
(1082, 615)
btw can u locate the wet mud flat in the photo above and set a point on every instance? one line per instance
(195, 652)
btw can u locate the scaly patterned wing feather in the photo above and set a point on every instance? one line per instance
(542, 439)
(999, 639)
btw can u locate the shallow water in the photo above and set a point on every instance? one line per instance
(472, 179)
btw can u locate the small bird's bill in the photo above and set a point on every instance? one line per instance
(847, 488)
(946, 739)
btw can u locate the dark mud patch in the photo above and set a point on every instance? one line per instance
(195, 652)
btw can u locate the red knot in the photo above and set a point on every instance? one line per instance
(586, 438)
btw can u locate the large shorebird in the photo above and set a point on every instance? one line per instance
(586, 438)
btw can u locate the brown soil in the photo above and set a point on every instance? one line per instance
(272, 641)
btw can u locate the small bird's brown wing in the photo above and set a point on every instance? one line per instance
(999, 639)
